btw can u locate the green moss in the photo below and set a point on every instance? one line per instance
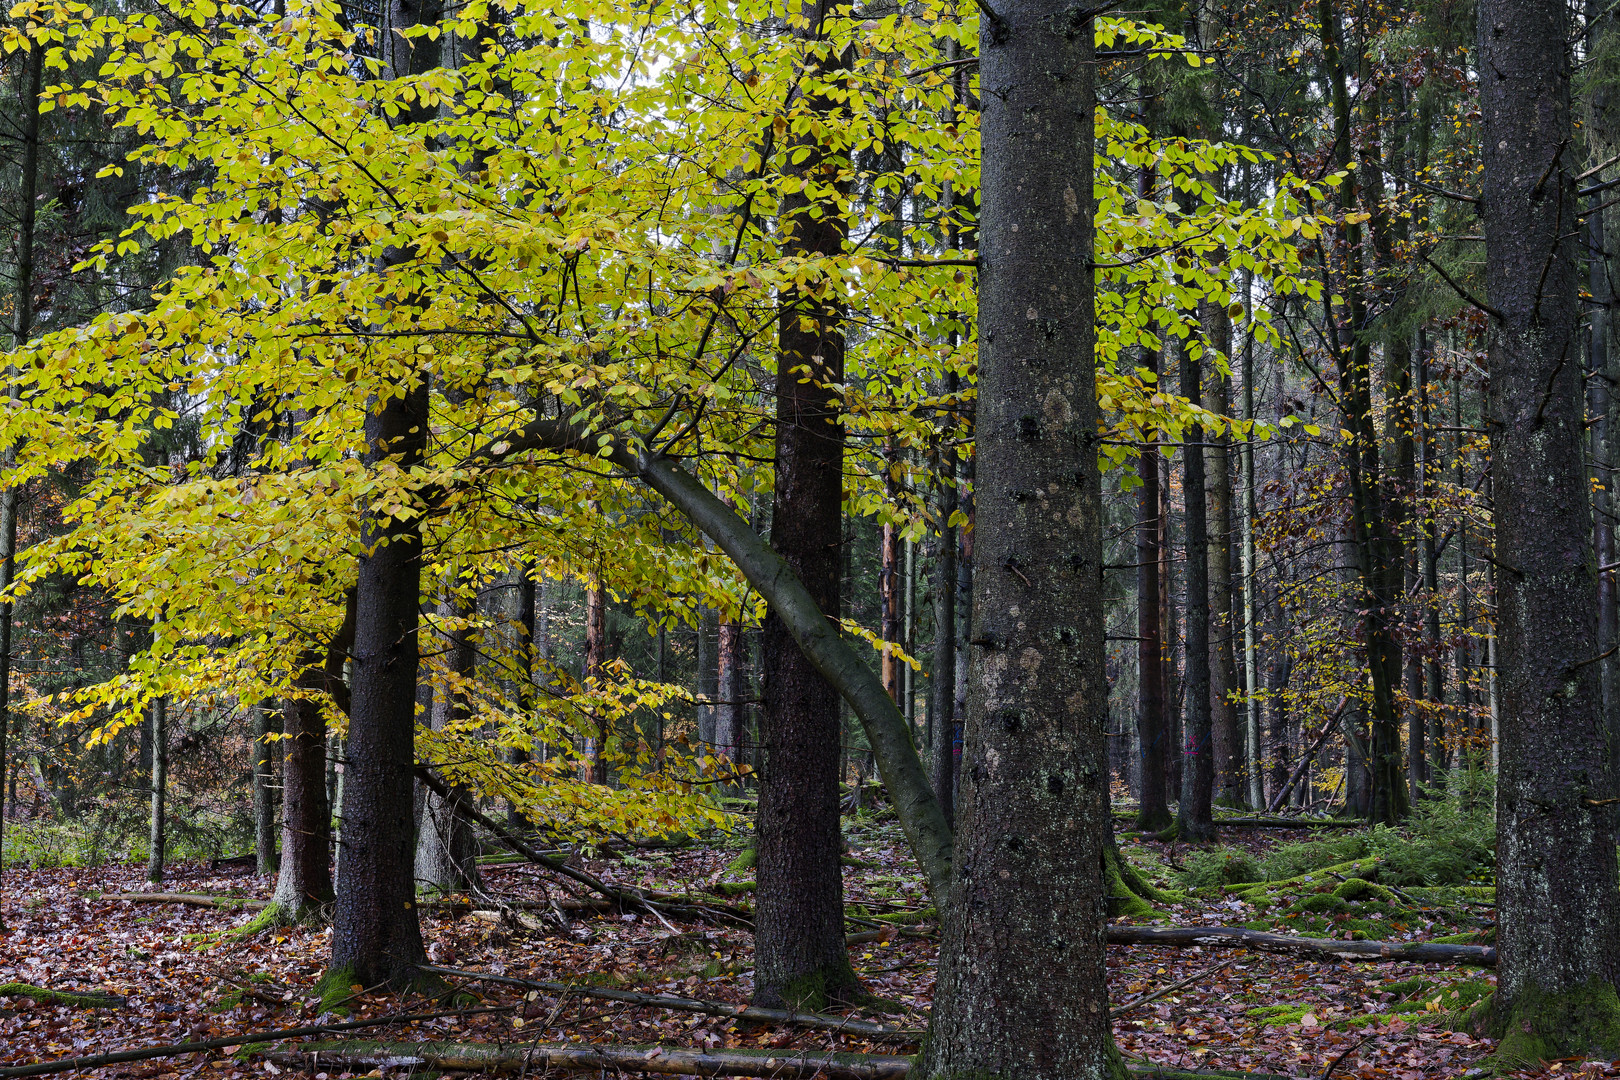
(1362, 889)
(835, 984)
(1540, 1027)
(336, 989)
(1319, 904)
(1130, 894)
(1278, 1015)
(743, 862)
(46, 996)
(732, 888)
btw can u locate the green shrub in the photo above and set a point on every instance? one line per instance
(1220, 866)
(1292, 860)
(1447, 841)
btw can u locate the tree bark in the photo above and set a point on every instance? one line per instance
(446, 849)
(944, 590)
(158, 835)
(1154, 806)
(1021, 989)
(304, 883)
(22, 326)
(1227, 736)
(799, 952)
(1194, 814)
(266, 754)
(1559, 910)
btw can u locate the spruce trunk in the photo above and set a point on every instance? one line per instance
(1021, 990)
(1559, 936)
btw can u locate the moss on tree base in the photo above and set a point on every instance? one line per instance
(1540, 1027)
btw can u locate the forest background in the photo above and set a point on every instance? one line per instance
(422, 416)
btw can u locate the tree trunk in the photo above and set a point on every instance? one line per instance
(157, 837)
(266, 755)
(446, 849)
(1154, 808)
(944, 589)
(732, 688)
(1559, 954)
(1377, 546)
(22, 326)
(596, 658)
(1194, 819)
(1021, 989)
(304, 884)
(1169, 638)
(800, 958)
(1251, 660)
(1223, 683)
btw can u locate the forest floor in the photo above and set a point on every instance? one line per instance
(1263, 1013)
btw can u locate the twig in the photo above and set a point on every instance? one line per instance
(1327, 1072)
(1462, 292)
(1145, 998)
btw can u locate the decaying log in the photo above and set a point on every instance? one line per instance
(230, 903)
(1235, 937)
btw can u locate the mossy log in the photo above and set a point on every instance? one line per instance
(46, 996)
(1235, 937)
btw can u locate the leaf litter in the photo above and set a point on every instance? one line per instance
(185, 981)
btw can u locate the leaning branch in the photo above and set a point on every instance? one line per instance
(887, 733)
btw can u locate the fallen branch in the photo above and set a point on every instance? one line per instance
(147, 1053)
(46, 996)
(847, 1025)
(1121, 1010)
(664, 1060)
(482, 1057)
(1291, 823)
(1422, 952)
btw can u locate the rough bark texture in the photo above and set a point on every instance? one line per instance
(446, 849)
(1559, 910)
(1021, 989)
(1154, 813)
(799, 952)
(732, 687)
(1194, 820)
(945, 615)
(1227, 735)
